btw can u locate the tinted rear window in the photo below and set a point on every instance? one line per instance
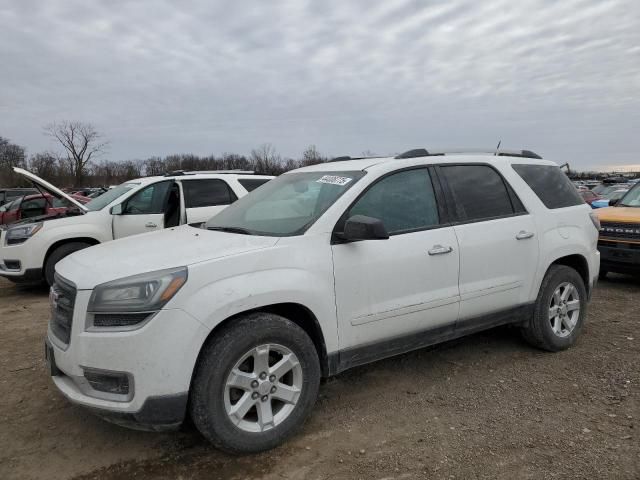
(550, 184)
(479, 192)
(250, 184)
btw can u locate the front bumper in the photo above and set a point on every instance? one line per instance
(23, 262)
(159, 357)
(622, 257)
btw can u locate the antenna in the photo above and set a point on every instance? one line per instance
(497, 148)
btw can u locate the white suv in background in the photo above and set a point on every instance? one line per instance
(320, 270)
(30, 249)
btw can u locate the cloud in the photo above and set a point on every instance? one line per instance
(206, 77)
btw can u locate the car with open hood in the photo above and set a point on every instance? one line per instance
(30, 249)
(40, 205)
(322, 269)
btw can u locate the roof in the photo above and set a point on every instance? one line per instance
(195, 176)
(371, 162)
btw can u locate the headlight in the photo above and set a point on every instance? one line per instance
(20, 234)
(146, 293)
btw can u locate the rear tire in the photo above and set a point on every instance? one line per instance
(560, 310)
(237, 399)
(58, 254)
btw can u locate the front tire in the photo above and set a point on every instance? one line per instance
(58, 254)
(255, 384)
(560, 310)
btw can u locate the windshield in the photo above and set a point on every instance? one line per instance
(106, 198)
(286, 206)
(632, 198)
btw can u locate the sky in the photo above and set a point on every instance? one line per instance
(156, 77)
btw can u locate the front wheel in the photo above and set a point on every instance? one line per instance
(255, 384)
(58, 254)
(560, 310)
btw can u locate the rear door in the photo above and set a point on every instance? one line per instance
(203, 198)
(143, 212)
(497, 238)
(391, 288)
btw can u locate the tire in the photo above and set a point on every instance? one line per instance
(603, 274)
(58, 254)
(542, 330)
(210, 396)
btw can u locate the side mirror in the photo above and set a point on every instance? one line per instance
(116, 209)
(361, 227)
(613, 203)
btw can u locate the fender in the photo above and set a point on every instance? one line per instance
(224, 298)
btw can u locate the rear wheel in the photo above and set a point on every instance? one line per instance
(58, 254)
(560, 310)
(255, 384)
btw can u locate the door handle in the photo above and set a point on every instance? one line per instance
(522, 235)
(439, 250)
(151, 225)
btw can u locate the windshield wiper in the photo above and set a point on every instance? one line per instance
(240, 230)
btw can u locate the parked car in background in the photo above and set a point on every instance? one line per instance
(619, 241)
(9, 194)
(90, 192)
(324, 268)
(35, 206)
(610, 198)
(589, 197)
(29, 249)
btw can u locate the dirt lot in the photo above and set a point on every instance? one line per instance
(483, 407)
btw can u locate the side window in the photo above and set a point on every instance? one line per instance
(207, 193)
(33, 208)
(550, 185)
(404, 201)
(148, 200)
(479, 192)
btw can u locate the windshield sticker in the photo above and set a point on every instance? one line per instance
(334, 180)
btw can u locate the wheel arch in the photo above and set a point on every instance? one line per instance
(89, 240)
(579, 263)
(295, 312)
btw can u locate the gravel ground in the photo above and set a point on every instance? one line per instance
(487, 406)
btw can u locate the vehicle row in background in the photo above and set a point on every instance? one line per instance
(619, 242)
(30, 248)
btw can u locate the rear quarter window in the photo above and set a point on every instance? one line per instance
(550, 184)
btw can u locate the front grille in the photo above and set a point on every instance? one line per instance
(62, 299)
(625, 231)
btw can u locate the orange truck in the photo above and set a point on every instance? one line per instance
(619, 241)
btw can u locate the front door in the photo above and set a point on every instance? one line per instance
(498, 241)
(143, 212)
(387, 289)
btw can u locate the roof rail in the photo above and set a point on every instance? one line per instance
(179, 173)
(421, 152)
(346, 157)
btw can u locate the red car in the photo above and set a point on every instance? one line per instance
(35, 206)
(589, 197)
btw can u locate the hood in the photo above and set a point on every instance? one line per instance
(43, 218)
(46, 186)
(619, 214)
(174, 247)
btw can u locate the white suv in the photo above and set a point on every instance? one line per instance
(320, 270)
(30, 249)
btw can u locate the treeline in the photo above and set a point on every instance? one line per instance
(63, 170)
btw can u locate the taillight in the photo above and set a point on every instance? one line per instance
(595, 220)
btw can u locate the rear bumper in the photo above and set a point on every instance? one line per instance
(619, 256)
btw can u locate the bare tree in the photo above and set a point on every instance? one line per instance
(311, 156)
(82, 143)
(11, 155)
(45, 165)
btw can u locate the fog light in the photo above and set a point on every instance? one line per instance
(12, 264)
(108, 382)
